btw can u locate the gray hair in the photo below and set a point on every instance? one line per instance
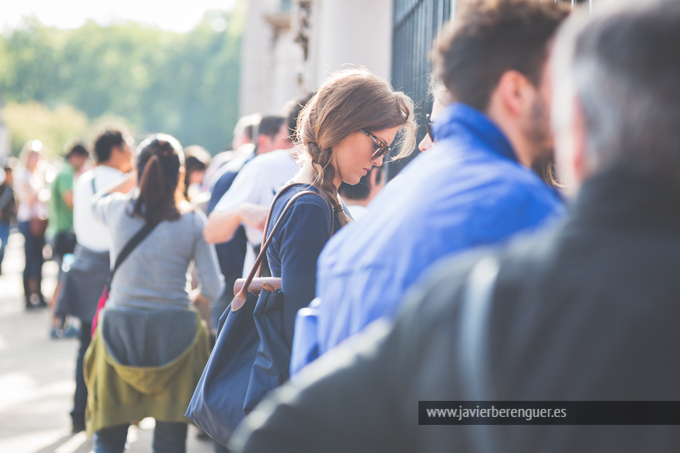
(623, 69)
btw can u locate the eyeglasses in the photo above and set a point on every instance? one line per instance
(429, 125)
(383, 148)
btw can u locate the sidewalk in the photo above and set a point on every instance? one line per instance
(36, 375)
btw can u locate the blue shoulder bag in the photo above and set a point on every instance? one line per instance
(251, 355)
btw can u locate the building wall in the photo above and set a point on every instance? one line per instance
(341, 32)
(349, 32)
(270, 59)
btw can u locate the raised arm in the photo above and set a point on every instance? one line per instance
(239, 205)
(100, 200)
(222, 225)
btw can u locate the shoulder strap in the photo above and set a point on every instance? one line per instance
(474, 334)
(243, 293)
(130, 246)
(94, 188)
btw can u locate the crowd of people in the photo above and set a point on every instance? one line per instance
(525, 255)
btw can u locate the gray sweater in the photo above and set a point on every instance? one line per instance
(154, 275)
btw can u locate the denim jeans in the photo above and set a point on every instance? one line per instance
(167, 438)
(80, 397)
(33, 247)
(4, 236)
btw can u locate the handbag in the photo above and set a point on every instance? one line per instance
(129, 247)
(65, 243)
(250, 355)
(37, 226)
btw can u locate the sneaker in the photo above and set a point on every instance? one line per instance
(56, 333)
(71, 332)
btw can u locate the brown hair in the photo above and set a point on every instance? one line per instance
(160, 161)
(350, 100)
(491, 37)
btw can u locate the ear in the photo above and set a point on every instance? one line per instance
(263, 140)
(513, 92)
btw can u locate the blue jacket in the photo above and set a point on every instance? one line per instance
(466, 191)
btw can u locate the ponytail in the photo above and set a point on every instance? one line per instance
(160, 164)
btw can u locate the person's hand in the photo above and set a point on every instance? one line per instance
(254, 215)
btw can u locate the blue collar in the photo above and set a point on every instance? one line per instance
(459, 121)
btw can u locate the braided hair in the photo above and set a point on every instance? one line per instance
(348, 101)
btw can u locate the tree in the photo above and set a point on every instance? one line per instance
(182, 84)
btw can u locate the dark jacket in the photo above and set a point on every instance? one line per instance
(8, 204)
(585, 312)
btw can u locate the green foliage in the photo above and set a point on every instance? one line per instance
(182, 84)
(34, 121)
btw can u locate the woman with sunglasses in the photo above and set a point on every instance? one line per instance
(344, 130)
(440, 99)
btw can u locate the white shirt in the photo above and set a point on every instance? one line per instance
(90, 232)
(26, 185)
(257, 183)
(357, 211)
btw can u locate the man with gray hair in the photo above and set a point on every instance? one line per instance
(581, 319)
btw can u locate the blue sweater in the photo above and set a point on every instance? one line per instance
(468, 190)
(295, 248)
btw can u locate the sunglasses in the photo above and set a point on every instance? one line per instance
(383, 148)
(429, 125)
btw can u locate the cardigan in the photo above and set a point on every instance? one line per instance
(143, 363)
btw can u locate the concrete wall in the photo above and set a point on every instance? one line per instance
(354, 32)
(342, 32)
(270, 59)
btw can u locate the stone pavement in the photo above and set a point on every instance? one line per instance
(36, 375)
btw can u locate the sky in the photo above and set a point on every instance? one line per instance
(173, 15)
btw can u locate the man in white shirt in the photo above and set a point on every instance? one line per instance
(248, 199)
(89, 272)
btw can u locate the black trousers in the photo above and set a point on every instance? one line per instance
(80, 397)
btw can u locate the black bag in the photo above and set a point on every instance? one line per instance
(64, 243)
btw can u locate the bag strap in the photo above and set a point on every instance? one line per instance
(242, 295)
(130, 246)
(94, 187)
(474, 335)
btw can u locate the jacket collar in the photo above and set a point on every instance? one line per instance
(461, 122)
(625, 197)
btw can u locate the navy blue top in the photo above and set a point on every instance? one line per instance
(230, 254)
(295, 248)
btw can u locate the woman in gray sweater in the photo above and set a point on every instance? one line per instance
(150, 345)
